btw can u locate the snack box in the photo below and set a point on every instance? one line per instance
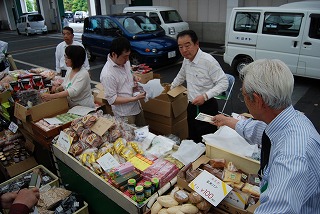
(246, 164)
(107, 189)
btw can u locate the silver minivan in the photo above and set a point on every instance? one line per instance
(32, 23)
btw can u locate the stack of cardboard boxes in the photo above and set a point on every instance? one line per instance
(167, 113)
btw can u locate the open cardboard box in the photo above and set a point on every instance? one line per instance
(246, 164)
(41, 110)
(171, 103)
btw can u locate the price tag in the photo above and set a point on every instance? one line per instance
(64, 141)
(13, 127)
(107, 161)
(210, 187)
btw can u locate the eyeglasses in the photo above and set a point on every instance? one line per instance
(240, 96)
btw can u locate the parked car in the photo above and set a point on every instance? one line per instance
(32, 23)
(167, 17)
(79, 16)
(69, 15)
(149, 43)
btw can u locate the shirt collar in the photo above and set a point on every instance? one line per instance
(279, 122)
(197, 57)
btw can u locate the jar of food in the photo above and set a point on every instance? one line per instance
(139, 193)
(155, 184)
(147, 189)
(131, 186)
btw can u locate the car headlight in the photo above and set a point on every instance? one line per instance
(172, 31)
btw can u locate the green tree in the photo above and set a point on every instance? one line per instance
(35, 5)
(79, 5)
(29, 6)
(68, 4)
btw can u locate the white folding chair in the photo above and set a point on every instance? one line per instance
(226, 94)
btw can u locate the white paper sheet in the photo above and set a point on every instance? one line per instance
(81, 110)
(52, 121)
(228, 139)
(189, 151)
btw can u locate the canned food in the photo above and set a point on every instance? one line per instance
(131, 186)
(139, 193)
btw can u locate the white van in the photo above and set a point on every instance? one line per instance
(290, 33)
(167, 17)
(32, 23)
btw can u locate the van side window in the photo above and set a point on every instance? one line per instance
(246, 22)
(282, 24)
(94, 26)
(155, 17)
(314, 31)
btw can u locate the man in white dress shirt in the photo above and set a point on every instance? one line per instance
(68, 35)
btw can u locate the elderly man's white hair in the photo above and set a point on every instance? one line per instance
(271, 79)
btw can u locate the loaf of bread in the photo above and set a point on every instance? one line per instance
(252, 189)
(234, 177)
(217, 163)
(181, 196)
(167, 201)
(195, 198)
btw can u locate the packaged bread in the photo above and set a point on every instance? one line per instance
(203, 205)
(189, 208)
(252, 189)
(231, 167)
(195, 198)
(238, 185)
(254, 179)
(234, 177)
(181, 196)
(167, 201)
(217, 163)
(156, 207)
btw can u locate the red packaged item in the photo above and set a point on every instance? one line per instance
(38, 82)
(26, 84)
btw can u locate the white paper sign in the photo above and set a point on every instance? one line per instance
(210, 187)
(13, 127)
(107, 161)
(64, 141)
(81, 110)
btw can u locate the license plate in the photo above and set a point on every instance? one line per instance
(171, 54)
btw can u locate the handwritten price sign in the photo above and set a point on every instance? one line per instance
(210, 187)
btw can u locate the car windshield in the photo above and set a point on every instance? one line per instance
(35, 18)
(139, 24)
(68, 15)
(171, 16)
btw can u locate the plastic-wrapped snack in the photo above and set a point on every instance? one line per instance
(71, 133)
(78, 128)
(119, 144)
(105, 149)
(93, 140)
(231, 167)
(77, 148)
(135, 146)
(89, 120)
(97, 168)
(114, 134)
(84, 134)
(127, 153)
(75, 121)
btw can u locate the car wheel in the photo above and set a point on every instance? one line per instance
(27, 33)
(135, 58)
(18, 32)
(90, 56)
(240, 63)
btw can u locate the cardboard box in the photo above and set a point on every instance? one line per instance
(180, 128)
(144, 78)
(170, 121)
(4, 96)
(52, 107)
(246, 164)
(52, 132)
(99, 97)
(107, 189)
(170, 103)
(17, 168)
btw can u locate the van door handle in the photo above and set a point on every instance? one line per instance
(295, 43)
(307, 43)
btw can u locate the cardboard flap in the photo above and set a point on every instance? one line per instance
(49, 108)
(21, 112)
(176, 91)
(22, 166)
(203, 159)
(179, 105)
